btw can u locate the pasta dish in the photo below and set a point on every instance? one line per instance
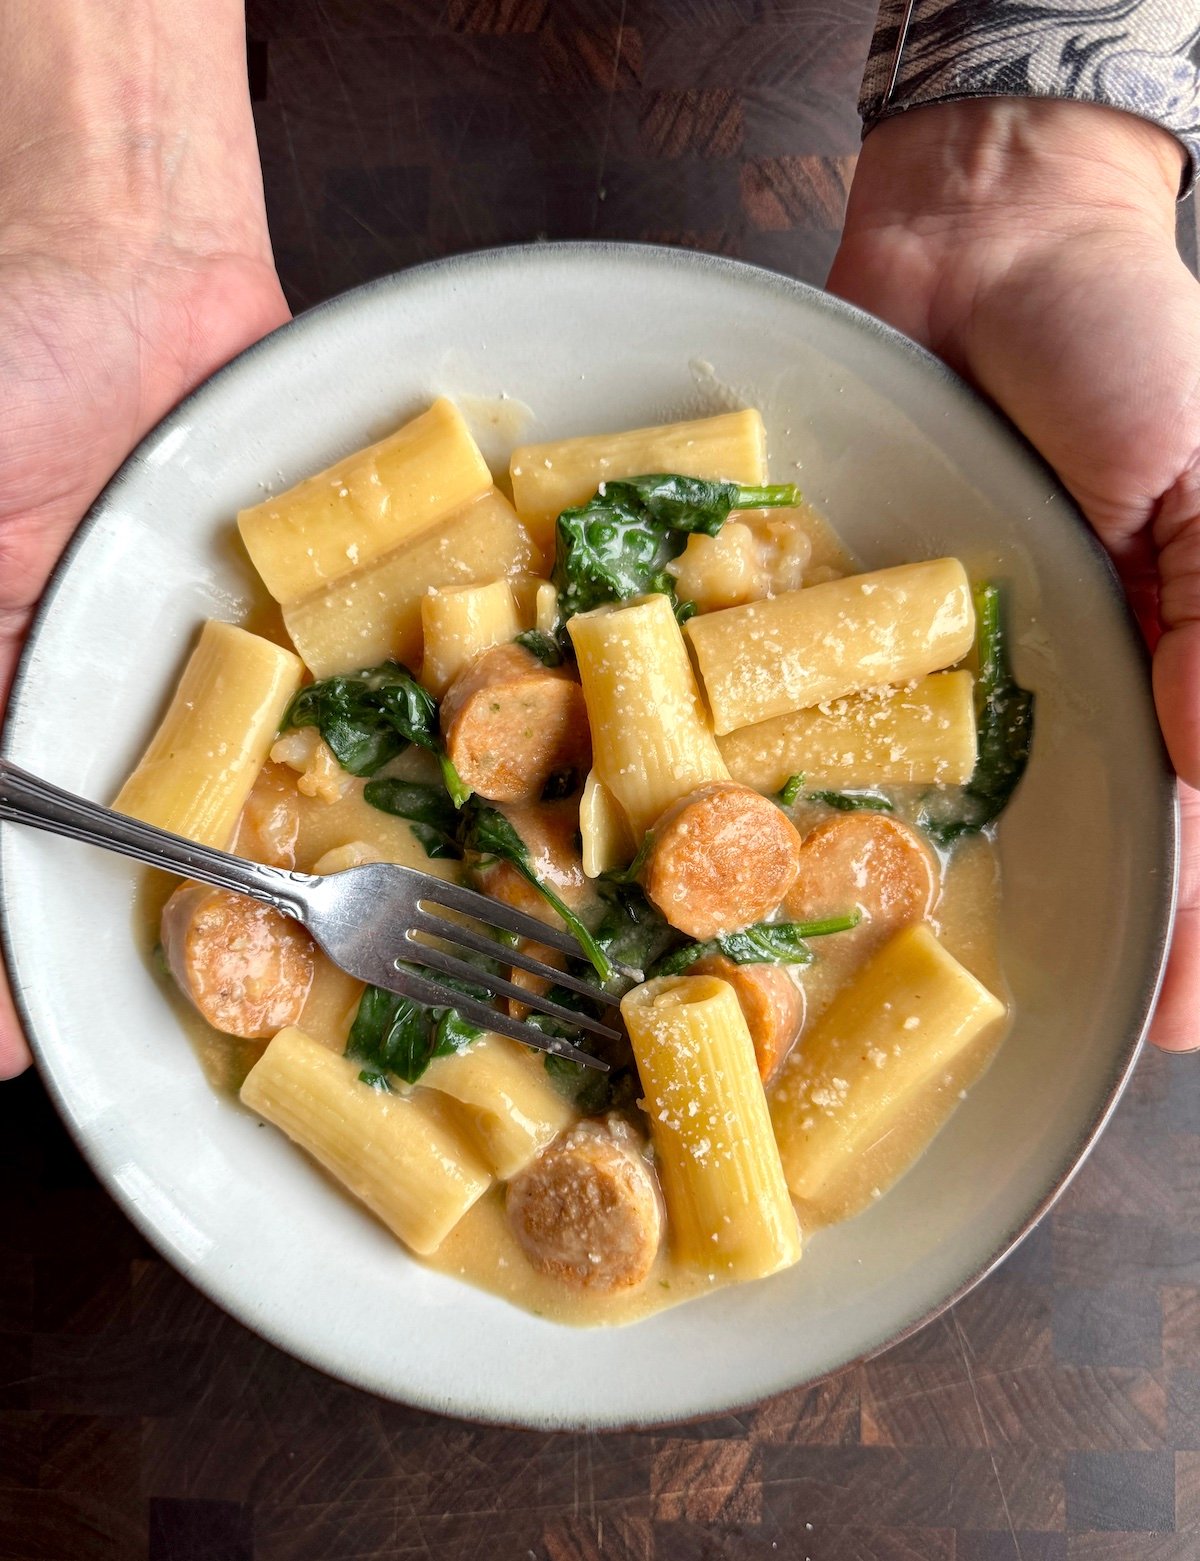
(638, 691)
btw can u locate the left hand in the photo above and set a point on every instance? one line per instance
(1032, 246)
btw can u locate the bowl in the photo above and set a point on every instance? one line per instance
(907, 462)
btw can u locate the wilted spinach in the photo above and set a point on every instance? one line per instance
(395, 1035)
(542, 645)
(851, 801)
(766, 943)
(435, 820)
(1004, 718)
(618, 544)
(793, 791)
(488, 832)
(369, 717)
(790, 790)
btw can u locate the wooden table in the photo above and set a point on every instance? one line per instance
(1054, 1414)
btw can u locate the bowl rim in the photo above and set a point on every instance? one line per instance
(570, 252)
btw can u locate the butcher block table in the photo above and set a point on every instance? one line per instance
(1054, 1415)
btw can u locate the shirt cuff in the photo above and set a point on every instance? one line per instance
(1145, 61)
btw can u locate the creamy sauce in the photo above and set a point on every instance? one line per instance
(288, 829)
(482, 1250)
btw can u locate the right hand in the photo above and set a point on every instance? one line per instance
(1032, 245)
(131, 267)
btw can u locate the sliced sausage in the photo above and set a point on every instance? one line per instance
(772, 1005)
(722, 858)
(509, 724)
(868, 860)
(588, 1211)
(245, 966)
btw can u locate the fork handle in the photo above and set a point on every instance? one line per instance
(25, 799)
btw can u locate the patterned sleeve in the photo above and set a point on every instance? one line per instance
(1139, 55)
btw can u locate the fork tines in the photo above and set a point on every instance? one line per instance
(411, 984)
(478, 943)
(495, 913)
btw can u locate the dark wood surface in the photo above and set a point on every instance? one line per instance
(1054, 1415)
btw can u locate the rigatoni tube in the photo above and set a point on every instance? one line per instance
(202, 761)
(921, 734)
(459, 622)
(375, 613)
(399, 1154)
(549, 478)
(907, 1015)
(365, 505)
(508, 1106)
(727, 1201)
(651, 739)
(804, 647)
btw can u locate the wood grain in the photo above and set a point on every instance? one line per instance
(1053, 1416)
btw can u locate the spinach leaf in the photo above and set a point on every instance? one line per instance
(429, 810)
(766, 943)
(544, 646)
(617, 544)
(851, 801)
(791, 789)
(369, 717)
(1004, 715)
(393, 1034)
(631, 931)
(488, 832)
(589, 1090)
(630, 874)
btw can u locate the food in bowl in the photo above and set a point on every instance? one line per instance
(666, 711)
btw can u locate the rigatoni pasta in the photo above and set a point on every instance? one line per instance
(198, 770)
(726, 1197)
(757, 786)
(549, 478)
(898, 1025)
(459, 622)
(375, 613)
(913, 734)
(652, 739)
(605, 837)
(399, 1154)
(366, 505)
(799, 649)
(507, 1105)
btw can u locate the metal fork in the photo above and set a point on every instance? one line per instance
(369, 920)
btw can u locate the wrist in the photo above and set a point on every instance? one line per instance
(993, 162)
(127, 120)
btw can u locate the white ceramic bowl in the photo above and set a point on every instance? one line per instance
(907, 463)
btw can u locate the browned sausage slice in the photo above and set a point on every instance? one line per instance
(509, 723)
(587, 1211)
(772, 1005)
(245, 966)
(723, 857)
(868, 860)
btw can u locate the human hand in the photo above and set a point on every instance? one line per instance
(1032, 246)
(134, 261)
